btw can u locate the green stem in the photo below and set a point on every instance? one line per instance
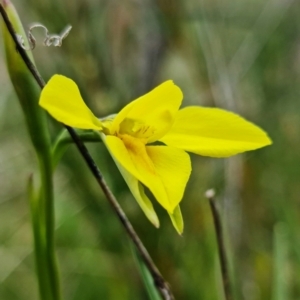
(42, 212)
(47, 225)
(38, 242)
(146, 275)
(42, 205)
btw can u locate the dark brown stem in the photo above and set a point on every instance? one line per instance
(159, 281)
(210, 195)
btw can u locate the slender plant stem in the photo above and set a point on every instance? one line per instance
(44, 287)
(42, 204)
(47, 205)
(159, 281)
(210, 195)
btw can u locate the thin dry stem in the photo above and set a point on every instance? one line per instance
(210, 195)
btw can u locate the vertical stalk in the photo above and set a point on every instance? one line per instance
(42, 204)
(210, 195)
(47, 224)
(43, 224)
(38, 242)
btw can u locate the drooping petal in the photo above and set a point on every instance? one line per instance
(177, 219)
(173, 166)
(132, 156)
(135, 187)
(214, 132)
(156, 109)
(164, 170)
(62, 99)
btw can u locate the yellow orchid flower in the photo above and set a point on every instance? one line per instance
(163, 169)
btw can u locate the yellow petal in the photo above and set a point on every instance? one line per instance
(214, 132)
(173, 166)
(136, 189)
(62, 99)
(131, 154)
(156, 109)
(177, 220)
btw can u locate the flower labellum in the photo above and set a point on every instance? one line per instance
(129, 137)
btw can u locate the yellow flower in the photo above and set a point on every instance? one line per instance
(155, 117)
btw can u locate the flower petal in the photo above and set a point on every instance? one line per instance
(156, 109)
(177, 220)
(164, 170)
(173, 166)
(135, 187)
(214, 132)
(62, 99)
(131, 154)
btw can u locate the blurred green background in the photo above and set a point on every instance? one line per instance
(241, 55)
